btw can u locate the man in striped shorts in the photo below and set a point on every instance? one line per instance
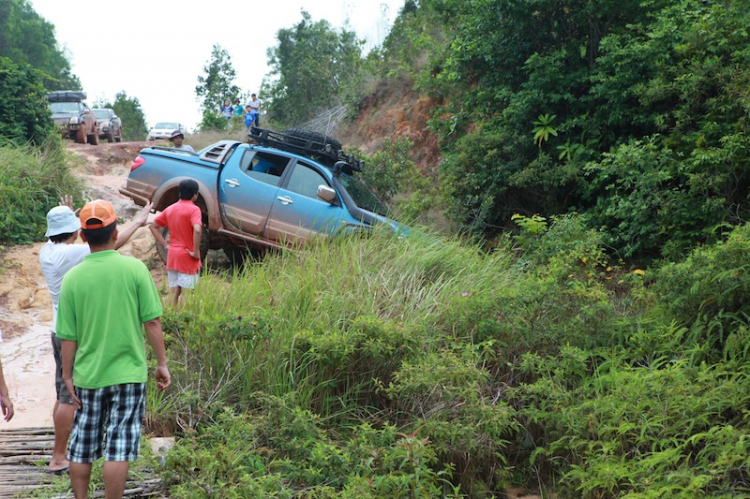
(105, 301)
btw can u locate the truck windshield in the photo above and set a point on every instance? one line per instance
(64, 107)
(363, 196)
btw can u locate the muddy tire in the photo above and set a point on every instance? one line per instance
(110, 137)
(80, 137)
(94, 139)
(119, 137)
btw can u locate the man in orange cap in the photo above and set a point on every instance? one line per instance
(104, 303)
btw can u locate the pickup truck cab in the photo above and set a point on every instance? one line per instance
(281, 191)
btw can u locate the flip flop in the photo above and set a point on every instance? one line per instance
(58, 472)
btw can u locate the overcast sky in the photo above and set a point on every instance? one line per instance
(155, 50)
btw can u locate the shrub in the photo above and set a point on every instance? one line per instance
(280, 450)
(712, 280)
(32, 180)
(24, 110)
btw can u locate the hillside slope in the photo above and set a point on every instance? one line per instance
(394, 109)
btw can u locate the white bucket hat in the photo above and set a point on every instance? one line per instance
(61, 220)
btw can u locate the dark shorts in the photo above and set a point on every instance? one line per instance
(109, 417)
(63, 395)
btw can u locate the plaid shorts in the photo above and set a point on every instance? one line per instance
(109, 416)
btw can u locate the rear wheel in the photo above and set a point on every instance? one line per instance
(81, 136)
(94, 139)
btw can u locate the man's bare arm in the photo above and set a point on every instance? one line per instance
(156, 340)
(139, 221)
(197, 231)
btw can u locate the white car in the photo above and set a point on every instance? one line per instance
(163, 130)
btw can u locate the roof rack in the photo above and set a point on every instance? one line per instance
(312, 145)
(66, 96)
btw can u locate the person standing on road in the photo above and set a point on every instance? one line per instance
(6, 405)
(105, 302)
(185, 224)
(177, 137)
(255, 109)
(56, 258)
(249, 118)
(227, 110)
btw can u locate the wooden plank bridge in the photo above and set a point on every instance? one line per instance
(24, 454)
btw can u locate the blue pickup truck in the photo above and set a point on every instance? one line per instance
(274, 192)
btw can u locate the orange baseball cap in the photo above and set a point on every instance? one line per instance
(97, 214)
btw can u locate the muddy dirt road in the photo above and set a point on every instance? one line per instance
(25, 306)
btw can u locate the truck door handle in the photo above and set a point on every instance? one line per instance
(285, 200)
(232, 182)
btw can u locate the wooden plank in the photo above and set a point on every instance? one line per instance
(21, 452)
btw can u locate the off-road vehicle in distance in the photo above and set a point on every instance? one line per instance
(73, 117)
(109, 125)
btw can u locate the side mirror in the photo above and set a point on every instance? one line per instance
(326, 193)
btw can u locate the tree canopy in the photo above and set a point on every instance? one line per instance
(312, 68)
(215, 86)
(27, 38)
(634, 114)
(24, 110)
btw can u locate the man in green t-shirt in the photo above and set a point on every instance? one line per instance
(105, 301)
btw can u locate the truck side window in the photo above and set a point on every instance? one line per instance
(305, 181)
(264, 167)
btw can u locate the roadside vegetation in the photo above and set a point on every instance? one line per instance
(417, 367)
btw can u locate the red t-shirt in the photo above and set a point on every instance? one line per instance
(180, 218)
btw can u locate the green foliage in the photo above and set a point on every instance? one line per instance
(215, 86)
(28, 39)
(212, 120)
(278, 450)
(133, 118)
(389, 172)
(24, 110)
(416, 35)
(650, 106)
(712, 281)
(31, 182)
(380, 367)
(312, 68)
(543, 129)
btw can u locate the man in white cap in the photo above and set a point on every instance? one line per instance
(177, 137)
(57, 257)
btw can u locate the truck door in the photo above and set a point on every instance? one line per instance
(298, 214)
(247, 189)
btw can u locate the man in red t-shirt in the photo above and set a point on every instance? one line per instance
(183, 219)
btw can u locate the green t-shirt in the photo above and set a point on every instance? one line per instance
(103, 303)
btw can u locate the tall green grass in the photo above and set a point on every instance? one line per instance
(32, 179)
(422, 367)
